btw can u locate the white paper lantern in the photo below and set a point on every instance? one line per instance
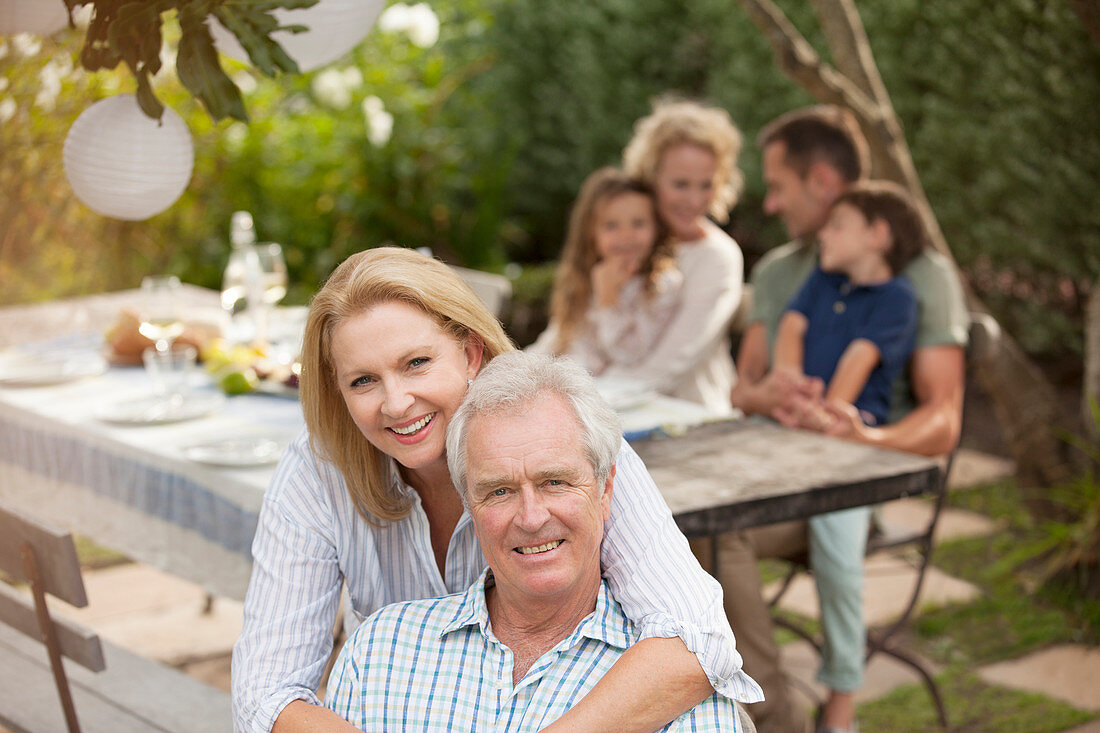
(32, 16)
(335, 27)
(124, 164)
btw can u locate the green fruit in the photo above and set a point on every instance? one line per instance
(238, 382)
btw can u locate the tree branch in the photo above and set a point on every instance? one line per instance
(798, 60)
(849, 46)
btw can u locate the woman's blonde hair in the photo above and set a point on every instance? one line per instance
(363, 280)
(674, 122)
(572, 295)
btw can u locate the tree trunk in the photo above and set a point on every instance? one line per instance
(1089, 13)
(1023, 398)
(1091, 386)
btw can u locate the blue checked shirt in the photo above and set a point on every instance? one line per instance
(435, 664)
(310, 540)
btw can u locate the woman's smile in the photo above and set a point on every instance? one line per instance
(413, 429)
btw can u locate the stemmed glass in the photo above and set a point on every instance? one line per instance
(273, 267)
(160, 319)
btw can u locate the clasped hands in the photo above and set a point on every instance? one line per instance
(798, 401)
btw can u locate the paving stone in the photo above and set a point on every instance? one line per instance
(972, 468)
(155, 614)
(214, 672)
(882, 675)
(1092, 727)
(912, 515)
(888, 584)
(1068, 672)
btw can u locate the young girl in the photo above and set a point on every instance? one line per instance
(617, 287)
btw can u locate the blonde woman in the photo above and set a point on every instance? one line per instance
(688, 152)
(364, 498)
(617, 287)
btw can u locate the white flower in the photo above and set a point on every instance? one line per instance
(424, 28)
(395, 18)
(3, 83)
(8, 108)
(372, 105)
(333, 86)
(379, 121)
(27, 44)
(49, 81)
(353, 77)
(418, 21)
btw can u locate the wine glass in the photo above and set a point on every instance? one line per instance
(160, 320)
(273, 266)
(274, 283)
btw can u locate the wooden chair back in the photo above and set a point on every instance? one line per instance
(46, 559)
(494, 290)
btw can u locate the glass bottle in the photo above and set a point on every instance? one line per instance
(243, 282)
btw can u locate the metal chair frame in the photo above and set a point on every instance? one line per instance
(881, 640)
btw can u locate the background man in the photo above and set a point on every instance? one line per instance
(531, 450)
(809, 157)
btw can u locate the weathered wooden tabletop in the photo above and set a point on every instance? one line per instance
(743, 473)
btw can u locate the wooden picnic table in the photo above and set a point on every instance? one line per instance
(743, 473)
(59, 463)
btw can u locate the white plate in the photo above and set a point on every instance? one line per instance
(235, 452)
(160, 410)
(29, 370)
(624, 394)
(276, 389)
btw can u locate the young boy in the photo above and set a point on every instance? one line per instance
(854, 322)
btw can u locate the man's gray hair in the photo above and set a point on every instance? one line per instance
(514, 380)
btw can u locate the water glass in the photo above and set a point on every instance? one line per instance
(170, 370)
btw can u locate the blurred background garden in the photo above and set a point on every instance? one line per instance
(471, 136)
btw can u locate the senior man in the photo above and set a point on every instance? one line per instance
(531, 451)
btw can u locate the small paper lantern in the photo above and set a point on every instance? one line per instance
(335, 27)
(32, 16)
(124, 164)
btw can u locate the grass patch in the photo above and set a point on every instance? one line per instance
(1000, 500)
(972, 707)
(772, 570)
(93, 556)
(1006, 621)
(784, 636)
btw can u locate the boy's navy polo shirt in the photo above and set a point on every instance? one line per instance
(839, 313)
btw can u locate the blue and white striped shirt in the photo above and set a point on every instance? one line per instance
(435, 664)
(310, 538)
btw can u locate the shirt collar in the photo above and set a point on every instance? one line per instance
(607, 623)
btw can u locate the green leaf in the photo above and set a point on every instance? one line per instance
(253, 28)
(146, 99)
(200, 71)
(132, 35)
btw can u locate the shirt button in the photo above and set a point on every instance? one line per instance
(838, 307)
